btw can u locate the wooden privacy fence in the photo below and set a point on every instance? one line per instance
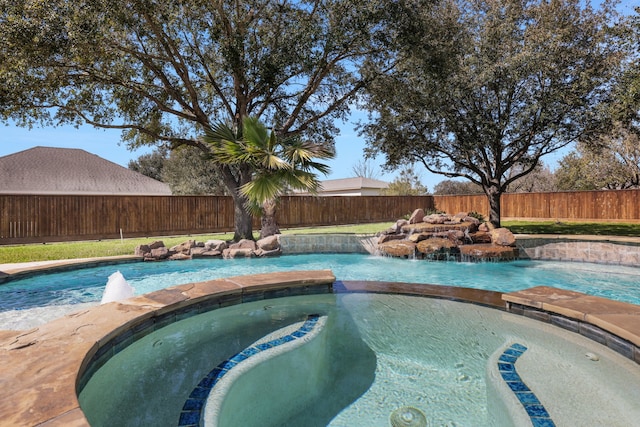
(606, 205)
(50, 218)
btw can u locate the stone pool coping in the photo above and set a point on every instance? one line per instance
(41, 369)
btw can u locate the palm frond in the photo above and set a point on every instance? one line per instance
(255, 133)
(262, 188)
(218, 134)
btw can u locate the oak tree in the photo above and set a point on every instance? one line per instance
(483, 86)
(162, 72)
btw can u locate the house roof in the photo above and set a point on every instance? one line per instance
(355, 183)
(49, 170)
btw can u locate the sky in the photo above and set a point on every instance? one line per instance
(107, 143)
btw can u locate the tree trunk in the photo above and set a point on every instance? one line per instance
(494, 194)
(269, 226)
(243, 221)
(242, 218)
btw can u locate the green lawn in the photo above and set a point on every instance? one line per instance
(90, 249)
(580, 228)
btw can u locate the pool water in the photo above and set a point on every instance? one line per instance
(378, 353)
(87, 285)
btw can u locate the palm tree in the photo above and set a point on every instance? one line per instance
(279, 165)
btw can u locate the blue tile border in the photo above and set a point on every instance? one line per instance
(507, 368)
(192, 410)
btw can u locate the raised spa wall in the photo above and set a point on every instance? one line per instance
(596, 249)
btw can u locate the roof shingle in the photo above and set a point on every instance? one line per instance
(50, 170)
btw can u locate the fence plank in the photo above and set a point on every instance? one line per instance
(49, 218)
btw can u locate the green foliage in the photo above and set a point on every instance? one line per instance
(540, 179)
(432, 211)
(277, 164)
(472, 89)
(189, 172)
(452, 187)
(406, 184)
(162, 72)
(151, 164)
(477, 216)
(613, 164)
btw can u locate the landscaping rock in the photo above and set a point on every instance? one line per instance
(398, 248)
(480, 237)
(502, 237)
(270, 243)
(417, 237)
(244, 244)
(471, 219)
(199, 252)
(238, 253)
(435, 219)
(215, 245)
(489, 252)
(397, 227)
(160, 253)
(437, 246)
(184, 247)
(143, 251)
(416, 216)
(267, 253)
(389, 237)
(156, 244)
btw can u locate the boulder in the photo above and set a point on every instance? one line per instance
(142, 250)
(486, 226)
(489, 252)
(244, 244)
(184, 247)
(179, 256)
(215, 245)
(480, 237)
(417, 237)
(238, 252)
(397, 227)
(160, 253)
(502, 237)
(417, 216)
(437, 245)
(435, 219)
(270, 243)
(471, 219)
(157, 244)
(453, 235)
(398, 248)
(198, 252)
(267, 253)
(390, 237)
(435, 228)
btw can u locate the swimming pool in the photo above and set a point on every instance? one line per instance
(377, 353)
(86, 285)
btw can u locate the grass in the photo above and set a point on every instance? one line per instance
(91, 249)
(104, 248)
(573, 228)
